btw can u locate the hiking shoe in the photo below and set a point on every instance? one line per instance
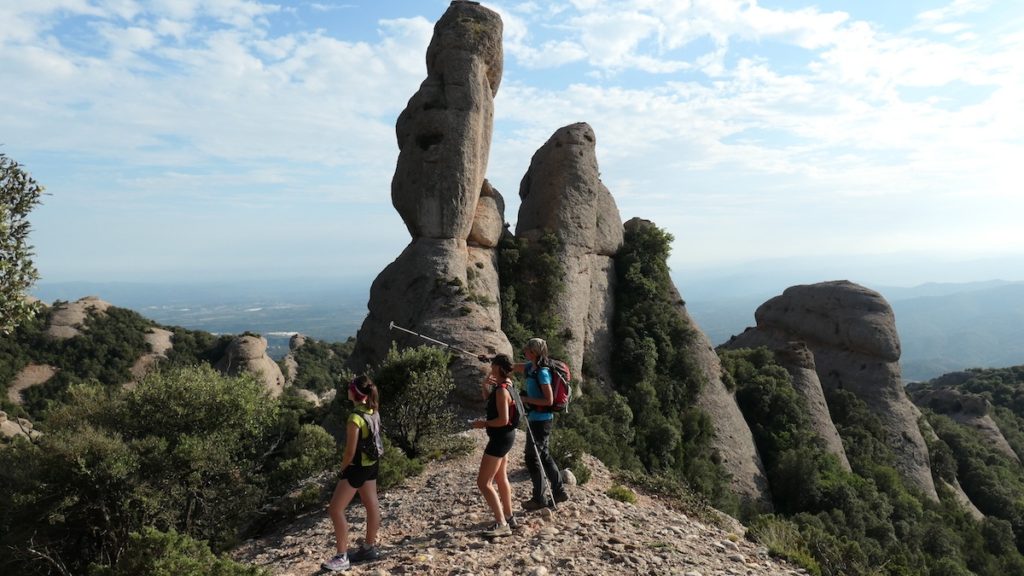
(339, 563)
(512, 522)
(364, 554)
(532, 504)
(497, 531)
(561, 496)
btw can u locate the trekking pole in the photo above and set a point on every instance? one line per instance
(394, 326)
(548, 495)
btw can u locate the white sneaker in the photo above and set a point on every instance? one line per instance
(339, 563)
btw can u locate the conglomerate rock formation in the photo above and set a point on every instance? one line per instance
(562, 193)
(248, 354)
(851, 332)
(445, 283)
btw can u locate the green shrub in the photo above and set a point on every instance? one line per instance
(188, 449)
(567, 448)
(414, 384)
(312, 450)
(395, 467)
(782, 538)
(323, 365)
(155, 553)
(621, 493)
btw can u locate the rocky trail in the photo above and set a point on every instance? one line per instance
(432, 525)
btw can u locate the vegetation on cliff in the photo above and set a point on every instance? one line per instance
(649, 423)
(865, 522)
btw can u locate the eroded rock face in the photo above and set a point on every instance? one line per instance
(851, 331)
(798, 360)
(160, 343)
(445, 283)
(562, 193)
(444, 133)
(67, 320)
(249, 354)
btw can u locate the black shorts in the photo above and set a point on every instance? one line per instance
(357, 475)
(499, 444)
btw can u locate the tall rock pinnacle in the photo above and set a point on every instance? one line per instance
(445, 283)
(562, 193)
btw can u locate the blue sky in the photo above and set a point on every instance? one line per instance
(230, 139)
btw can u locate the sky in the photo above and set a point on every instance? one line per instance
(230, 139)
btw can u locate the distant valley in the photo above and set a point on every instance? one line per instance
(943, 326)
(325, 310)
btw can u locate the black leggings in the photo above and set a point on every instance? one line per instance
(540, 432)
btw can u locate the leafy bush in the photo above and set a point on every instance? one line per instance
(531, 287)
(783, 539)
(621, 493)
(19, 194)
(322, 365)
(187, 449)
(414, 384)
(157, 553)
(395, 467)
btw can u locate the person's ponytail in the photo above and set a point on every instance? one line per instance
(366, 388)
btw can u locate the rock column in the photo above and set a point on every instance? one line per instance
(445, 283)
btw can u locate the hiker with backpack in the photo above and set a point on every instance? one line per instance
(359, 464)
(539, 398)
(501, 422)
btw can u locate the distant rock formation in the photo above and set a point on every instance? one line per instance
(248, 353)
(971, 410)
(851, 332)
(29, 376)
(798, 360)
(291, 366)
(68, 319)
(17, 427)
(445, 283)
(159, 342)
(562, 193)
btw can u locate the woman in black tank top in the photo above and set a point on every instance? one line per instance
(501, 421)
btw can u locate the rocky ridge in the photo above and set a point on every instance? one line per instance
(431, 525)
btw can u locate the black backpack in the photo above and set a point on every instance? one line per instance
(373, 445)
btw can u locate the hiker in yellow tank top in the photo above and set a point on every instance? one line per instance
(359, 468)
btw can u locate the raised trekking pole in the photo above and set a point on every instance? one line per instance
(394, 326)
(548, 496)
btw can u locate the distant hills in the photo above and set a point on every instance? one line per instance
(943, 327)
(328, 310)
